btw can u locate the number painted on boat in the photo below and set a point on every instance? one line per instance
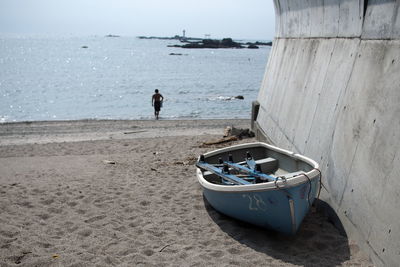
(256, 202)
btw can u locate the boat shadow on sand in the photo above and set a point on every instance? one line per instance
(318, 242)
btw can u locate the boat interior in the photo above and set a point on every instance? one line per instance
(272, 163)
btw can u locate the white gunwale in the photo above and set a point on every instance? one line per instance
(290, 182)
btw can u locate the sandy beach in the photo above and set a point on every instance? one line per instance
(124, 193)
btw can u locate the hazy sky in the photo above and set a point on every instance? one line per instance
(253, 19)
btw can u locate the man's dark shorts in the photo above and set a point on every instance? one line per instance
(157, 105)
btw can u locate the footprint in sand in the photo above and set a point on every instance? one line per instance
(47, 201)
(166, 197)
(129, 210)
(135, 223)
(183, 255)
(138, 231)
(8, 234)
(44, 216)
(96, 218)
(26, 204)
(44, 245)
(148, 252)
(72, 228)
(17, 259)
(81, 211)
(144, 203)
(120, 229)
(37, 191)
(127, 252)
(85, 232)
(55, 210)
(234, 251)
(72, 204)
(198, 207)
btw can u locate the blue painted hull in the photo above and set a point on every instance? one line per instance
(280, 204)
(268, 209)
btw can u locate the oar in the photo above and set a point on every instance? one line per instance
(223, 173)
(253, 171)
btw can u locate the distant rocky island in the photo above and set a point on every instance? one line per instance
(176, 37)
(191, 42)
(111, 35)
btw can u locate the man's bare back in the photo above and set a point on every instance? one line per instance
(156, 102)
(157, 97)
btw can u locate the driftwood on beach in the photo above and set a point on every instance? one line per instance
(231, 134)
(222, 140)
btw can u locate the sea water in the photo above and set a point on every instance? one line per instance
(69, 78)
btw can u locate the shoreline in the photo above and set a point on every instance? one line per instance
(109, 120)
(87, 130)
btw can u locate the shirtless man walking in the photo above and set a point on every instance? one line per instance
(156, 102)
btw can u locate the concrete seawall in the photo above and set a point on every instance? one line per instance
(331, 91)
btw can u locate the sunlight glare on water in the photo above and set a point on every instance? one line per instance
(114, 78)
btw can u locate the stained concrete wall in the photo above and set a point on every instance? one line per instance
(331, 91)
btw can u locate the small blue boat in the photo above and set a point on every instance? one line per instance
(260, 184)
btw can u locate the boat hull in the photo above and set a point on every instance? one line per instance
(272, 209)
(279, 206)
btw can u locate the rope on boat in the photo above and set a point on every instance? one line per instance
(276, 181)
(282, 189)
(320, 182)
(320, 185)
(309, 190)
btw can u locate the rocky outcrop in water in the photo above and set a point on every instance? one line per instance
(224, 43)
(212, 43)
(260, 43)
(191, 42)
(253, 46)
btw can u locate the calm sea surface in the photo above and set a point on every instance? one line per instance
(114, 78)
